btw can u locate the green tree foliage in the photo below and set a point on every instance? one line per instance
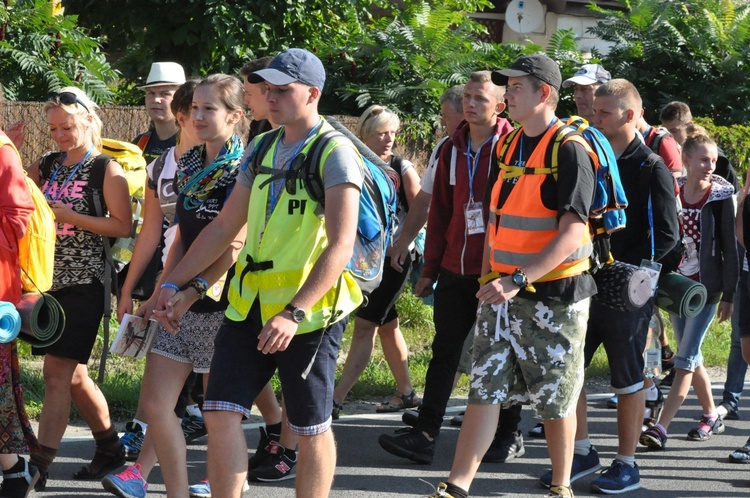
(734, 141)
(208, 36)
(407, 62)
(40, 53)
(696, 51)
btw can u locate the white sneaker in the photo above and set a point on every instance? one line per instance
(203, 489)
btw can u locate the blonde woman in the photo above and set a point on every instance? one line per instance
(377, 128)
(63, 176)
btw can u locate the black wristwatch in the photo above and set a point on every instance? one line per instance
(519, 278)
(298, 314)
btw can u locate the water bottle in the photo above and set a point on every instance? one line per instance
(652, 355)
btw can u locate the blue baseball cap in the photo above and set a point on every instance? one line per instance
(292, 65)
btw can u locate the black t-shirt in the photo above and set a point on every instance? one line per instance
(572, 192)
(155, 146)
(191, 222)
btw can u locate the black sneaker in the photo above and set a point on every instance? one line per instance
(412, 445)
(261, 453)
(537, 430)
(505, 447)
(193, 427)
(19, 480)
(277, 467)
(410, 417)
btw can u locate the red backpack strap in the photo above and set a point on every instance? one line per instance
(143, 140)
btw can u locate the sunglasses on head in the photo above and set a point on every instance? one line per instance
(66, 98)
(377, 111)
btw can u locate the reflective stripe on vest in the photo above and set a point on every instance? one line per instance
(279, 256)
(524, 226)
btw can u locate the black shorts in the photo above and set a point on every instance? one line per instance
(381, 304)
(239, 372)
(623, 334)
(84, 307)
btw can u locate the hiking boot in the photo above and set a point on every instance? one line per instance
(203, 489)
(563, 491)
(741, 454)
(583, 465)
(618, 478)
(654, 438)
(505, 447)
(19, 480)
(458, 420)
(132, 440)
(411, 444)
(41, 483)
(727, 412)
(278, 467)
(261, 453)
(706, 429)
(127, 484)
(410, 417)
(193, 427)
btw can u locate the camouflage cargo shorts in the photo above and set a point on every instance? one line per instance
(530, 352)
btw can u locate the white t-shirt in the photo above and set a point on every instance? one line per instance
(428, 180)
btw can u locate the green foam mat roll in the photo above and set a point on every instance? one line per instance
(42, 319)
(679, 295)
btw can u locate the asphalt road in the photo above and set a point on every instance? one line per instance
(685, 469)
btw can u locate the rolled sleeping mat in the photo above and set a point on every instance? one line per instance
(679, 295)
(42, 319)
(10, 322)
(622, 286)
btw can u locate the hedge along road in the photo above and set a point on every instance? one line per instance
(685, 469)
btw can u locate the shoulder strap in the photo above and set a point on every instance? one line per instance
(159, 164)
(262, 145)
(45, 165)
(397, 163)
(143, 140)
(311, 166)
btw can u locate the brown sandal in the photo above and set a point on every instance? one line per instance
(400, 402)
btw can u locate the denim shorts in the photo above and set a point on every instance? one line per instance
(623, 334)
(689, 334)
(530, 352)
(239, 372)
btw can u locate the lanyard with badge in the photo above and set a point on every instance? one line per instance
(61, 189)
(473, 210)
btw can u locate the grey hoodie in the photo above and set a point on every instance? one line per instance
(718, 256)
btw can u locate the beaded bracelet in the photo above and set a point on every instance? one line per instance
(170, 285)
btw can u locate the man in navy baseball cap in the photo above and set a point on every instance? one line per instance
(295, 64)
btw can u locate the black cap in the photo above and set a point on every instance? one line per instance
(537, 65)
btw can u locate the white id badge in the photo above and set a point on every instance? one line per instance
(474, 218)
(653, 269)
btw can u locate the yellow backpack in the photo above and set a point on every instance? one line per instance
(36, 250)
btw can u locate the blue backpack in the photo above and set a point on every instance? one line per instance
(609, 196)
(377, 203)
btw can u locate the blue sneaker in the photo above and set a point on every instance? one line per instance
(132, 440)
(127, 484)
(583, 465)
(619, 478)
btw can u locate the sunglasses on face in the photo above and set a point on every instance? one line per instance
(66, 98)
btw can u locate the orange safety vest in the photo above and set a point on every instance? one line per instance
(524, 226)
